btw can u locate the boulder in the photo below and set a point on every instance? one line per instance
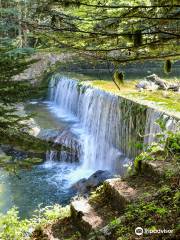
(80, 186)
(85, 217)
(85, 185)
(119, 193)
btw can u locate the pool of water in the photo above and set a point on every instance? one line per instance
(49, 182)
(44, 184)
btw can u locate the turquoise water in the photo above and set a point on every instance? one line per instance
(44, 184)
(49, 182)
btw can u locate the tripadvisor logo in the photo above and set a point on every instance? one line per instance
(139, 231)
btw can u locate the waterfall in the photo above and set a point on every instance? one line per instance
(152, 128)
(98, 121)
(109, 127)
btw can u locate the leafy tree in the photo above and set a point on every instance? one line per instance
(14, 59)
(116, 31)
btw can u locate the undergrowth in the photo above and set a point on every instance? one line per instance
(13, 228)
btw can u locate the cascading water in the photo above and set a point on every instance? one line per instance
(102, 127)
(109, 127)
(152, 127)
(102, 130)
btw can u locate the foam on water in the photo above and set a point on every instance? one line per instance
(95, 119)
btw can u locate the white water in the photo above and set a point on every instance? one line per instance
(104, 125)
(152, 128)
(108, 127)
(96, 119)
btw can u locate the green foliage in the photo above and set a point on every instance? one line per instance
(167, 147)
(162, 123)
(157, 213)
(48, 214)
(118, 77)
(167, 66)
(97, 197)
(144, 156)
(176, 199)
(106, 30)
(12, 165)
(172, 146)
(12, 228)
(14, 60)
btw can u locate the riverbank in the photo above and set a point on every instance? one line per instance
(92, 113)
(145, 199)
(148, 198)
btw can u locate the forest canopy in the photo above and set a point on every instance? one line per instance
(107, 30)
(116, 31)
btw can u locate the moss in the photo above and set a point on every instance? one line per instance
(156, 213)
(176, 199)
(33, 160)
(168, 100)
(81, 87)
(144, 156)
(97, 197)
(138, 39)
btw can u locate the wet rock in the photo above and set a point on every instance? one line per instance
(49, 134)
(85, 185)
(20, 154)
(80, 185)
(69, 146)
(98, 177)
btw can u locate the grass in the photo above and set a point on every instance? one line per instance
(168, 100)
(164, 100)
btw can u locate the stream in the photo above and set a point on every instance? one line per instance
(80, 119)
(50, 182)
(44, 184)
(99, 128)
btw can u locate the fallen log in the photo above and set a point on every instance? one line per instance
(158, 81)
(153, 82)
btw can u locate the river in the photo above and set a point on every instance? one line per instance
(99, 127)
